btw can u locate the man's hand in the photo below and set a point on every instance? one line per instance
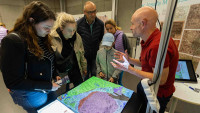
(111, 79)
(121, 66)
(101, 75)
(119, 55)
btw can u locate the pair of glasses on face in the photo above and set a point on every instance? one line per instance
(91, 12)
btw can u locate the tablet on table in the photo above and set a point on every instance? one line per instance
(185, 71)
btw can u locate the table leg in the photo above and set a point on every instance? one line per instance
(173, 105)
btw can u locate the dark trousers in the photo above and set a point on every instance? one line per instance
(91, 66)
(162, 100)
(75, 77)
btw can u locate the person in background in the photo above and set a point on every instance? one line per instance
(91, 30)
(144, 26)
(68, 48)
(104, 56)
(3, 31)
(27, 59)
(121, 42)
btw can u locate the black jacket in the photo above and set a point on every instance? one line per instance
(14, 55)
(92, 41)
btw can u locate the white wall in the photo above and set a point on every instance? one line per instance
(76, 6)
(126, 8)
(10, 10)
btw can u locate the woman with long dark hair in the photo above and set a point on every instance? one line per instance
(27, 59)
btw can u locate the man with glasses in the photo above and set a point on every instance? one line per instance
(91, 30)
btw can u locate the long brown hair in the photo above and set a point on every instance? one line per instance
(25, 28)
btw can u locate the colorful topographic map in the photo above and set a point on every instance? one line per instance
(96, 96)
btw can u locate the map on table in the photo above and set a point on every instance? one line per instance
(96, 96)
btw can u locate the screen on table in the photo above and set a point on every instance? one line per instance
(182, 71)
(185, 71)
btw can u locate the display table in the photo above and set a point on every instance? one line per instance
(184, 91)
(97, 96)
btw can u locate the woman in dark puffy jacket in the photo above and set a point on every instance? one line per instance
(27, 59)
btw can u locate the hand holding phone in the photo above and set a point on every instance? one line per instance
(62, 81)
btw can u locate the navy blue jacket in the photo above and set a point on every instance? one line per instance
(91, 41)
(14, 55)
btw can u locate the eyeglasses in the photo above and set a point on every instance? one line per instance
(91, 12)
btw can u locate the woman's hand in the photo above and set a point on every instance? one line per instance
(55, 86)
(58, 78)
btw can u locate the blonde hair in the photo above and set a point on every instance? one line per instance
(112, 22)
(61, 20)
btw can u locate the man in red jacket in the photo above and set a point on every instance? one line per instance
(144, 26)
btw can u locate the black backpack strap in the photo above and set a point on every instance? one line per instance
(126, 43)
(26, 57)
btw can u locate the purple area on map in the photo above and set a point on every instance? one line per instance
(118, 90)
(99, 102)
